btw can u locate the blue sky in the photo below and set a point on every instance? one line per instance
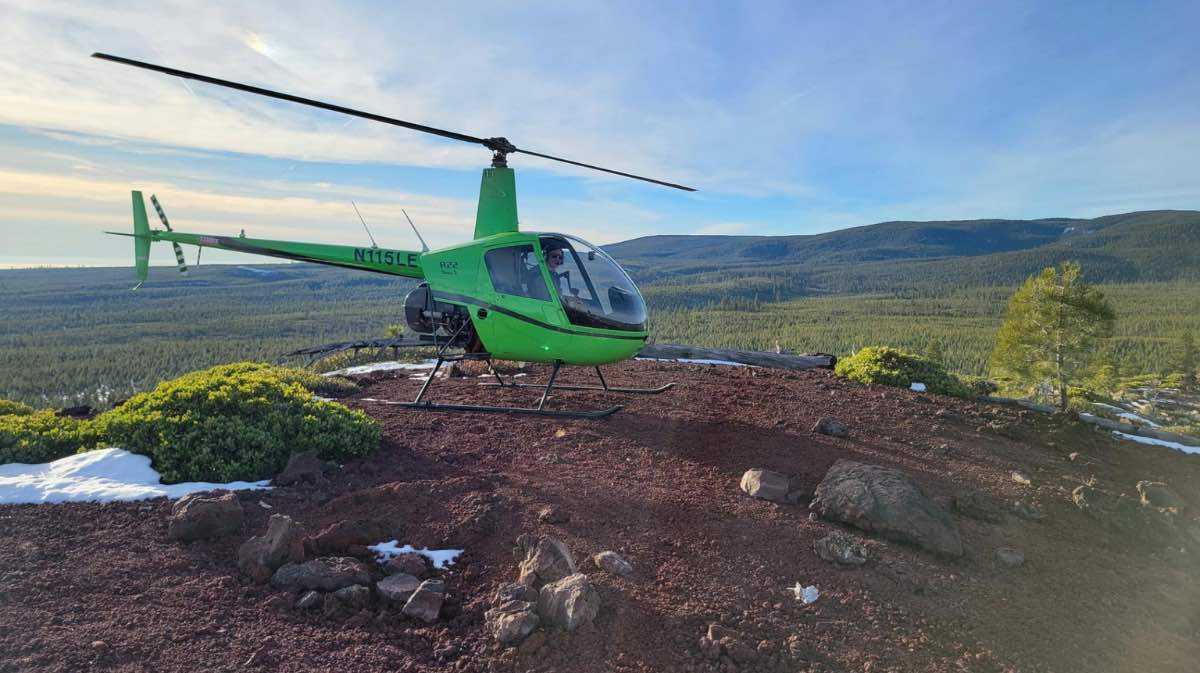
(790, 117)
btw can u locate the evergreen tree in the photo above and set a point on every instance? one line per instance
(935, 351)
(1187, 361)
(1050, 327)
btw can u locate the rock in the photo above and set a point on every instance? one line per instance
(309, 600)
(328, 573)
(842, 549)
(1012, 558)
(546, 559)
(201, 516)
(1158, 494)
(397, 588)
(338, 537)
(569, 602)
(355, 596)
(301, 468)
(885, 501)
(977, 505)
(1027, 510)
(828, 425)
(283, 543)
(332, 608)
(611, 562)
(533, 643)
(408, 563)
(426, 601)
(553, 514)
(1021, 479)
(511, 622)
(767, 485)
(514, 591)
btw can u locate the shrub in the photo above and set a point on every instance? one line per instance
(235, 422)
(979, 386)
(11, 408)
(40, 437)
(894, 367)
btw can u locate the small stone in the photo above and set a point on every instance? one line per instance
(283, 543)
(309, 600)
(99, 645)
(546, 559)
(1074, 456)
(842, 549)
(1158, 494)
(514, 591)
(611, 562)
(426, 601)
(1012, 558)
(828, 425)
(354, 597)
(513, 622)
(553, 514)
(1021, 479)
(301, 468)
(325, 574)
(205, 515)
(408, 563)
(1027, 511)
(569, 602)
(767, 485)
(397, 588)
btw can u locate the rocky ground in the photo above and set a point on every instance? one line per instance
(1037, 564)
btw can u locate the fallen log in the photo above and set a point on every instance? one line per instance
(754, 358)
(1044, 408)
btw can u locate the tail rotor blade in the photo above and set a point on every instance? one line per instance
(161, 215)
(178, 250)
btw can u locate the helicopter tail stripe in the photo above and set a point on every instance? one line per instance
(141, 237)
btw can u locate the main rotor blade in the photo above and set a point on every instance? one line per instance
(500, 145)
(606, 170)
(289, 97)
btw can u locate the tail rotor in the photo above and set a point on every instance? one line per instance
(178, 250)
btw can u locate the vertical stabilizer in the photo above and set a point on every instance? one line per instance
(497, 212)
(141, 237)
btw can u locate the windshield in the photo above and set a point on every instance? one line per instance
(594, 290)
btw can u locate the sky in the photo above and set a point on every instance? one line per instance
(788, 117)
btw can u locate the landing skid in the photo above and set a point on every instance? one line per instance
(431, 406)
(603, 387)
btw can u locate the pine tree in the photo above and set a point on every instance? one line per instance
(936, 351)
(1050, 327)
(1187, 361)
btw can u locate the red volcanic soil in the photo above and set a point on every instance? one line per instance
(100, 587)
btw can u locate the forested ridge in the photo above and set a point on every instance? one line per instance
(81, 335)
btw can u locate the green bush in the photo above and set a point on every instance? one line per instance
(11, 408)
(41, 437)
(894, 367)
(235, 422)
(979, 385)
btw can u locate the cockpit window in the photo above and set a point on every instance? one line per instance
(514, 270)
(594, 291)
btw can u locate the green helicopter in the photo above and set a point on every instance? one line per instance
(509, 295)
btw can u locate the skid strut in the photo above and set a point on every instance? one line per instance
(500, 383)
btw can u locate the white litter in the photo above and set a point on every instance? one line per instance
(440, 558)
(104, 475)
(381, 367)
(807, 595)
(1158, 442)
(919, 387)
(264, 505)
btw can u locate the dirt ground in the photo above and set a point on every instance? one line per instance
(99, 587)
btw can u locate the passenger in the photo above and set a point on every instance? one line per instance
(560, 276)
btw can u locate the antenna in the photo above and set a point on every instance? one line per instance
(360, 219)
(424, 247)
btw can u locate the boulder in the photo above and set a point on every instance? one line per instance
(397, 588)
(301, 468)
(339, 537)
(828, 425)
(511, 622)
(355, 596)
(1158, 494)
(201, 516)
(426, 601)
(611, 562)
(569, 602)
(842, 549)
(977, 505)
(886, 501)
(283, 542)
(328, 573)
(408, 563)
(546, 559)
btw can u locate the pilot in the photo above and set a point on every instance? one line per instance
(560, 276)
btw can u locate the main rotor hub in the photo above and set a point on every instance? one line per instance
(500, 148)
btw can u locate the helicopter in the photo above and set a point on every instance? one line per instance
(549, 298)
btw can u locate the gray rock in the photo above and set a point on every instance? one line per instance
(885, 501)
(977, 505)
(1027, 510)
(1021, 478)
(1158, 494)
(397, 588)
(283, 543)
(301, 468)
(514, 591)
(546, 559)
(766, 485)
(569, 602)
(426, 601)
(611, 562)
(1012, 558)
(309, 600)
(511, 622)
(355, 596)
(408, 563)
(842, 549)
(828, 425)
(206, 515)
(328, 573)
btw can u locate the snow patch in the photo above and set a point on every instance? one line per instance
(440, 558)
(1158, 442)
(380, 367)
(1130, 416)
(104, 475)
(919, 387)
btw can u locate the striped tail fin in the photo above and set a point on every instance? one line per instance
(141, 238)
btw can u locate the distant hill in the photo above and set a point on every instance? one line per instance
(1159, 245)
